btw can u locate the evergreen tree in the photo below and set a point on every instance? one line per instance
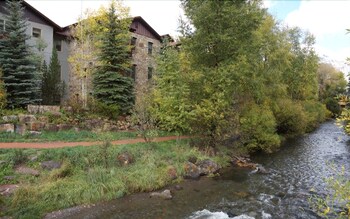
(52, 86)
(111, 85)
(19, 73)
(2, 93)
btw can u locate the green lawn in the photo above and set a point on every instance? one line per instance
(91, 174)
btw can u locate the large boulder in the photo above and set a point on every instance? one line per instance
(51, 127)
(11, 118)
(35, 126)
(26, 118)
(8, 127)
(192, 171)
(20, 129)
(166, 194)
(208, 167)
(50, 165)
(36, 109)
(125, 158)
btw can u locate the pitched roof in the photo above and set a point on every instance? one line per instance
(141, 20)
(42, 16)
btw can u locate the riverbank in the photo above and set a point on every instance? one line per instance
(296, 173)
(53, 179)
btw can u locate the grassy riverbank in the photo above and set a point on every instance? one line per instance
(91, 174)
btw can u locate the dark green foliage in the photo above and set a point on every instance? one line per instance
(290, 117)
(333, 106)
(110, 82)
(19, 72)
(52, 85)
(105, 110)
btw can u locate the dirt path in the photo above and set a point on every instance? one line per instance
(73, 144)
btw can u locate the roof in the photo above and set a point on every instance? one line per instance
(53, 24)
(141, 20)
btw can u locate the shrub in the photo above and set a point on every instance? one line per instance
(258, 127)
(333, 106)
(315, 113)
(290, 117)
(110, 111)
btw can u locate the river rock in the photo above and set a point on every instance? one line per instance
(125, 158)
(9, 127)
(191, 171)
(27, 171)
(50, 165)
(260, 169)
(178, 187)
(208, 167)
(172, 173)
(243, 162)
(166, 194)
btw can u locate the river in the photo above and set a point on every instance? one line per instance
(297, 171)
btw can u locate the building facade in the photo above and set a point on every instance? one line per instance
(145, 41)
(45, 32)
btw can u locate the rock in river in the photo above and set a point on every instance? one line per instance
(166, 194)
(208, 167)
(192, 171)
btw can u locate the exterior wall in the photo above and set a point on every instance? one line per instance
(142, 59)
(46, 36)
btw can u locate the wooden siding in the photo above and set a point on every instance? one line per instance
(141, 30)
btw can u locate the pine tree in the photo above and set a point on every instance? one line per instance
(110, 82)
(52, 85)
(19, 73)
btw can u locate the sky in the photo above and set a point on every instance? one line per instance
(327, 20)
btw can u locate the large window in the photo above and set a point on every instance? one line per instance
(36, 32)
(150, 47)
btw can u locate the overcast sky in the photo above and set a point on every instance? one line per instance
(326, 19)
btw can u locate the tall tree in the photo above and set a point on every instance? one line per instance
(52, 85)
(2, 93)
(111, 84)
(19, 72)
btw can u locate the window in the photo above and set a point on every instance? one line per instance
(133, 41)
(58, 45)
(133, 72)
(2, 25)
(150, 72)
(150, 48)
(133, 45)
(36, 32)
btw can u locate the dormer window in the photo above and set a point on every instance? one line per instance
(36, 32)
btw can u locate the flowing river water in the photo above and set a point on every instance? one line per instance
(296, 172)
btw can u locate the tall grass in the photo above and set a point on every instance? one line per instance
(85, 178)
